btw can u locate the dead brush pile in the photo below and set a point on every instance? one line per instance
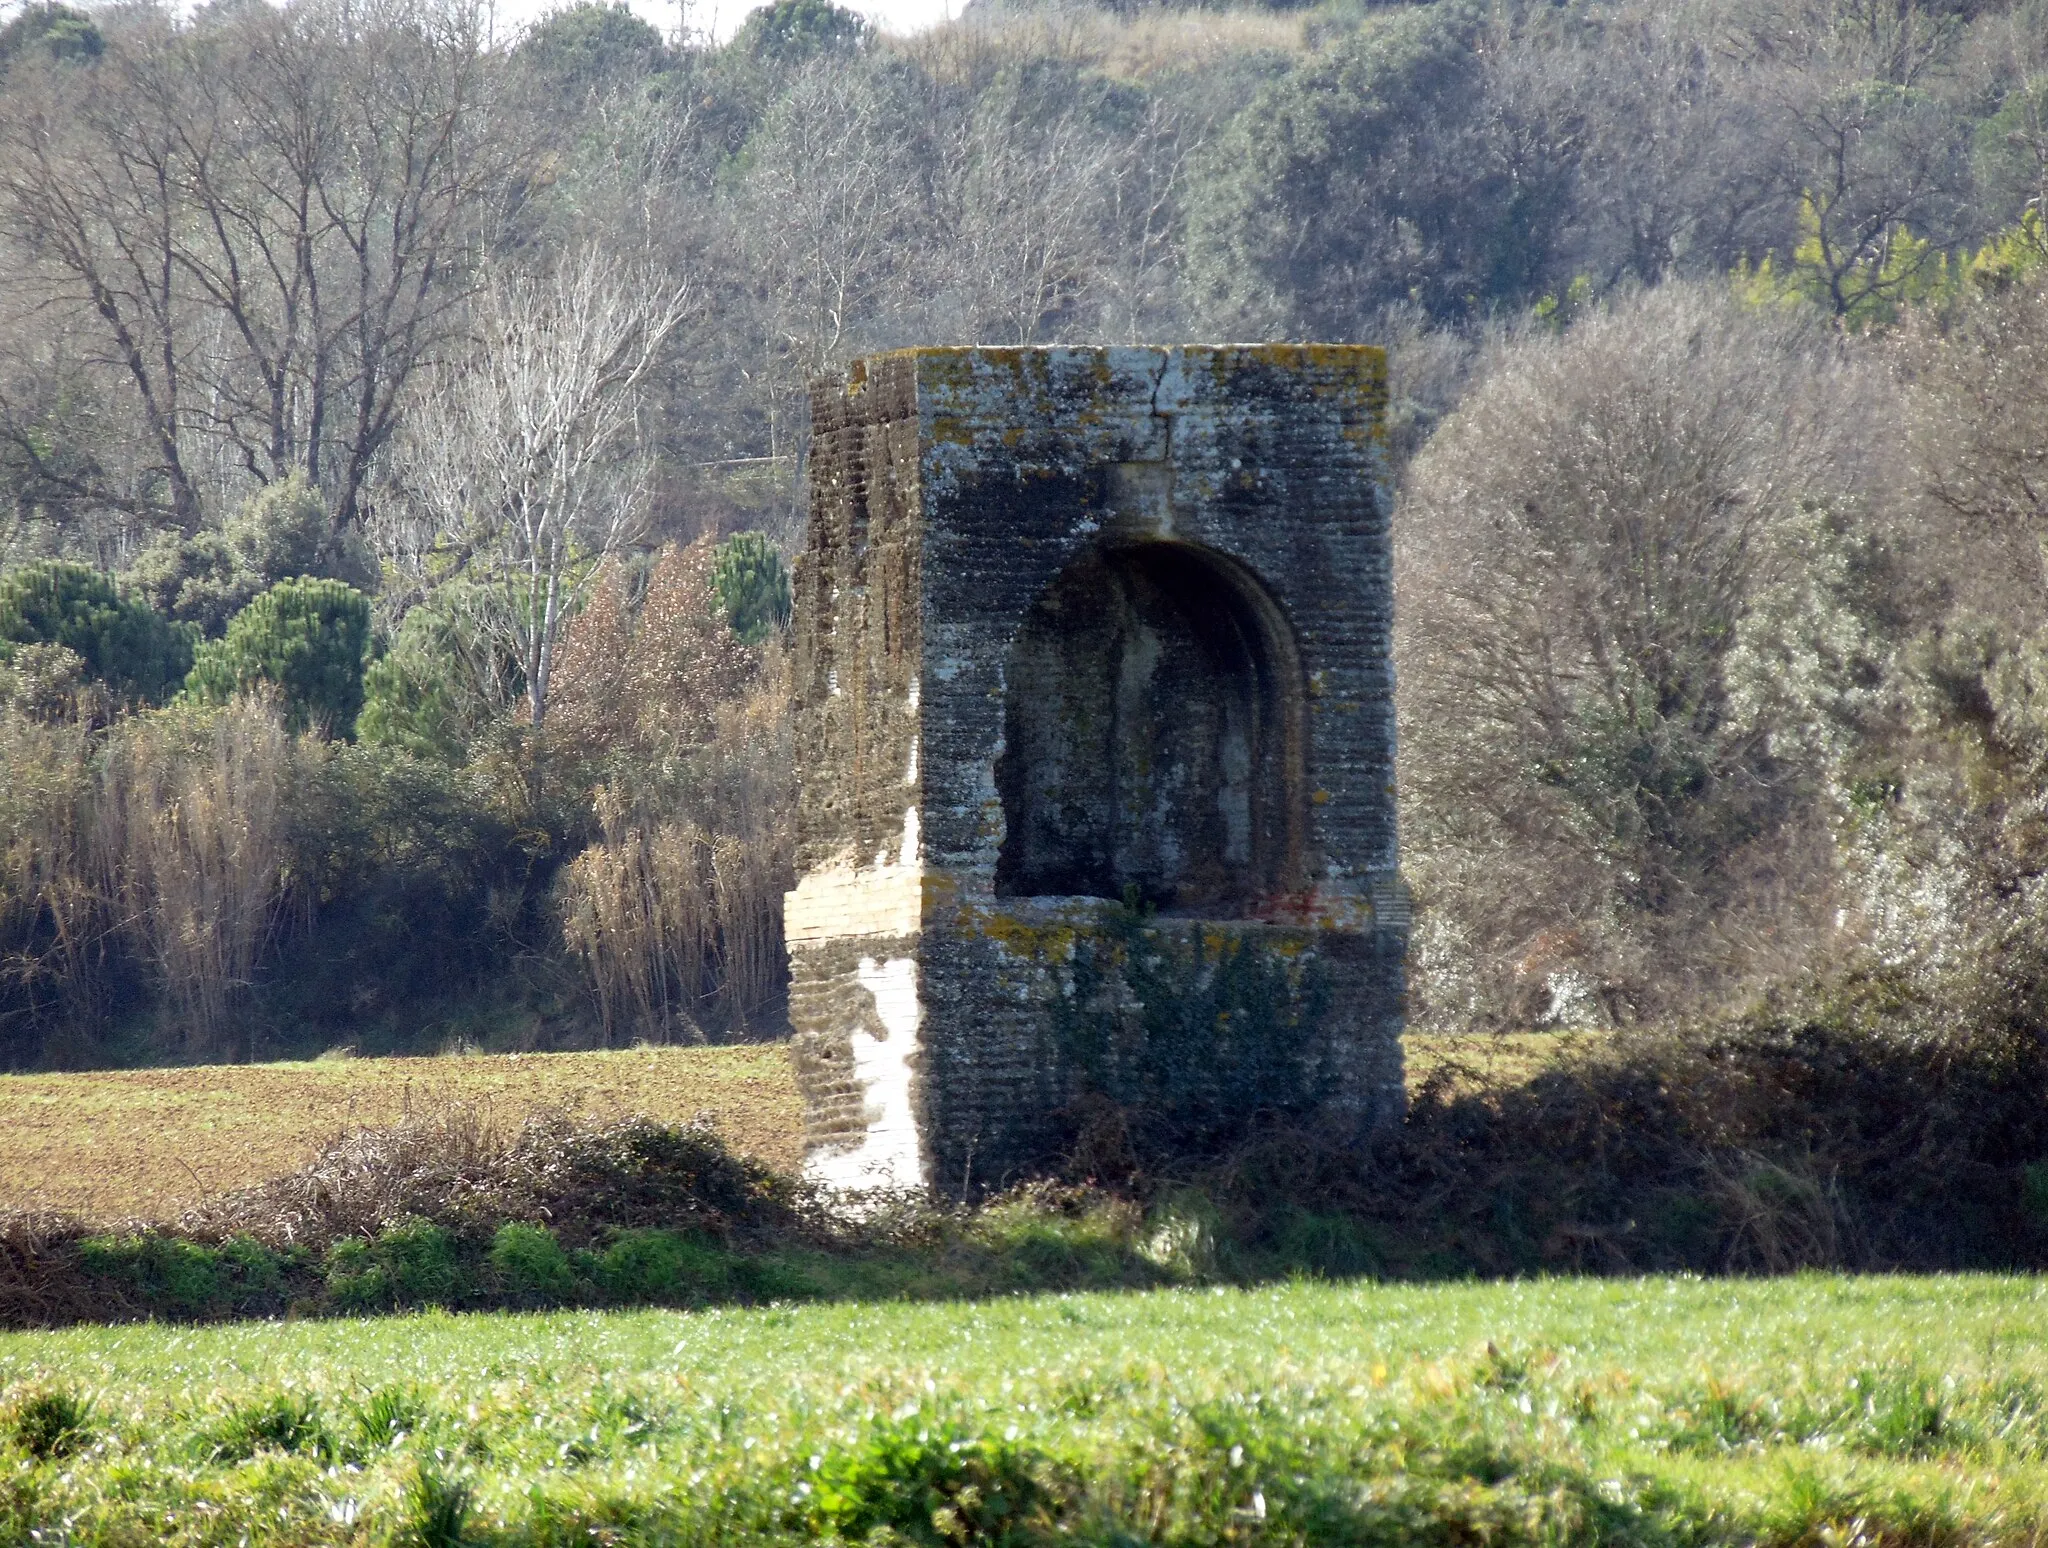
(456, 1170)
(421, 1213)
(1765, 1146)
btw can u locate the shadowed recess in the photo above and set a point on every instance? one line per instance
(1153, 736)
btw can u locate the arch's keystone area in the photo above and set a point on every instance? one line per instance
(1095, 737)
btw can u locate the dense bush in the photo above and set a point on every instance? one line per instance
(445, 680)
(309, 640)
(590, 47)
(279, 533)
(1370, 175)
(122, 643)
(790, 32)
(752, 584)
(1640, 624)
(63, 33)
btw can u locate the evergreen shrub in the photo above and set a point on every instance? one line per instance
(122, 642)
(309, 639)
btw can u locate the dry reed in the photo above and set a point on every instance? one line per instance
(53, 918)
(192, 835)
(676, 910)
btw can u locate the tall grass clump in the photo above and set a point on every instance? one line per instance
(48, 1423)
(53, 915)
(193, 832)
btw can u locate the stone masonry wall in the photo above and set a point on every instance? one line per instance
(1095, 751)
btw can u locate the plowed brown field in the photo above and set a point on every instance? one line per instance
(121, 1143)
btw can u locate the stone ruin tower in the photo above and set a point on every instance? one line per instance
(1095, 756)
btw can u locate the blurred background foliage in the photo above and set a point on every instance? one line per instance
(393, 571)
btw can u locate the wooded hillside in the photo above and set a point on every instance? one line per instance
(400, 435)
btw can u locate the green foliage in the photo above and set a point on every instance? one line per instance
(1354, 182)
(1224, 1026)
(2010, 149)
(663, 1267)
(444, 679)
(387, 1416)
(194, 580)
(407, 705)
(933, 1484)
(587, 45)
(788, 32)
(531, 1264)
(56, 30)
(1864, 289)
(174, 1276)
(356, 1282)
(48, 1423)
(418, 1259)
(170, 1272)
(1875, 290)
(436, 1506)
(2010, 256)
(1333, 1245)
(279, 533)
(306, 638)
(752, 585)
(282, 531)
(2034, 1193)
(410, 1263)
(121, 641)
(423, 880)
(288, 1422)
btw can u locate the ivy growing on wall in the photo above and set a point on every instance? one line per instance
(1191, 1029)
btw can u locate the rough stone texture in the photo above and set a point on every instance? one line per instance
(1095, 741)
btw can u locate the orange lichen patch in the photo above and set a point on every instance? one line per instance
(150, 1142)
(1032, 939)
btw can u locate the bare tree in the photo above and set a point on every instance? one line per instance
(269, 217)
(522, 463)
(1672, 170)
(824, 228)
(1138, 280)
(1980, 435)
(1022, 215)
(1596, 786)
(1875, 164)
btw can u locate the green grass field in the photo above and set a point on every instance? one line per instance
(1812, 1411)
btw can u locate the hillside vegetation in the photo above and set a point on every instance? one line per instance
(1656, 1411)
(392, 562)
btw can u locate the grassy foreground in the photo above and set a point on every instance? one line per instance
(1816, 1410)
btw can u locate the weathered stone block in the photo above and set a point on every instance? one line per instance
(1095, 738)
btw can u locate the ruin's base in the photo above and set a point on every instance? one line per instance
(979, 1048)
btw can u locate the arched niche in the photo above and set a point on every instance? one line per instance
(1153, 736)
